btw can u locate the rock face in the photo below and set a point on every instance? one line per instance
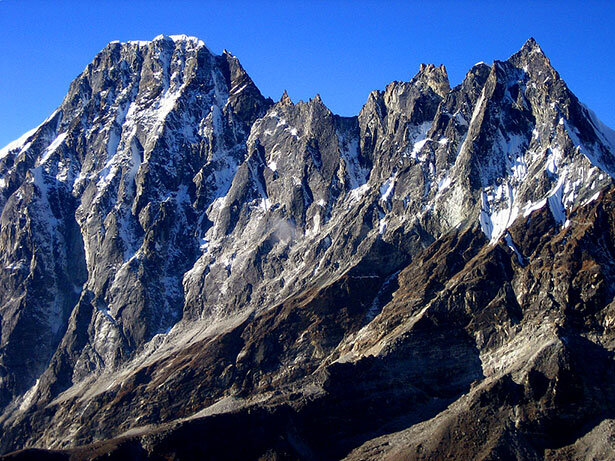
(193, 271)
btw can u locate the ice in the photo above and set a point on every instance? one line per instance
(273, 166)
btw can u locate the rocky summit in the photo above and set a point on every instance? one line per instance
(191, 270)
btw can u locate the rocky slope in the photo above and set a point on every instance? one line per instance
(194, 271)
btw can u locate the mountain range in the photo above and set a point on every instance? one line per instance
(194, 271)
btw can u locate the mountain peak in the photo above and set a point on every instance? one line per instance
(532, 45)
(435, 77)
(285, 99)
(431, 68)
(316, 100)
(178, 38)
(530, 52)
(174, 39)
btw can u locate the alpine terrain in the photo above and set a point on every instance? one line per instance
(193, 271)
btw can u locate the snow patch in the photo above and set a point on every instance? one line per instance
(387, 189)
(28, 396)
(417, 148)
(513, 247)
(236, 90)
(606, 134)
(350, 151)
(358, 192)
(382, 226)
(592, 198)
(555, 204)
(444, 183)
(418, 138)
(553, 160)
(264, 204)
(531, 207)
(47, 153)
(460, 119)
(497, 211)
(316, 224)
(17, 144)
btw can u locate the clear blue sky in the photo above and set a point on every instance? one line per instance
(340, 49)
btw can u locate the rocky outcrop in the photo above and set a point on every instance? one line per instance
(183, 256)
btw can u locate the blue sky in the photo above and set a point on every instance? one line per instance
(340, 49)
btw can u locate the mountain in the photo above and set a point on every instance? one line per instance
(192, 271)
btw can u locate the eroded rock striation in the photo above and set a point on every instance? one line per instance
(192, 271)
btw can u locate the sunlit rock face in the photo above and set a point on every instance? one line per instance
(191, 270)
